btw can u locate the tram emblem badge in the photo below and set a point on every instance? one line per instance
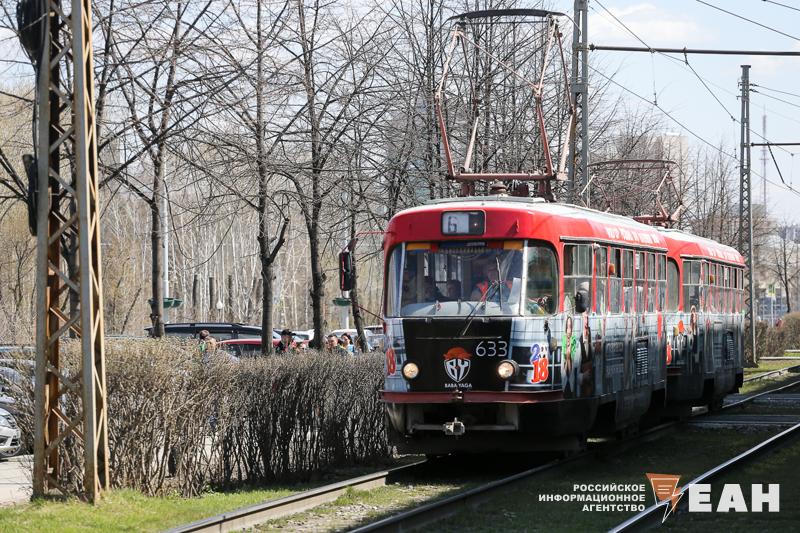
(457, 363)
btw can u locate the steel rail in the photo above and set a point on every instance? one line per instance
(778, 372)
(247, 517)
(636, 522)
(760, 394)
(438, 509)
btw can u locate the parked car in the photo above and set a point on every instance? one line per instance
(10, 435)
(15, 376)
(219, 330)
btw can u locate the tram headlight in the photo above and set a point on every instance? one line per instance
(410, 371)
(507, 369)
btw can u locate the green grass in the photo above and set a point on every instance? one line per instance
(126, 510)
(768, 366)
(760, 385)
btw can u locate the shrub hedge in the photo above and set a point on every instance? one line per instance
(179, 423)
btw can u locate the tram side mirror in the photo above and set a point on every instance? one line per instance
(581, 301)
(346, 271)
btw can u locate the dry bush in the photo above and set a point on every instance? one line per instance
(784, 337)
(177, 423)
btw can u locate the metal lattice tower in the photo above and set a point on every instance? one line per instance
(746, 208)
(68, 206)
(578, 163)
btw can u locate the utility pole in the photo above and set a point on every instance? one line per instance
(578, 164)
(68, 205)
(746, 208)
(764, 160)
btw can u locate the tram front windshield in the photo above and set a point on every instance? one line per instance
(454, 279)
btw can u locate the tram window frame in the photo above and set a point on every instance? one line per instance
(639, 280)
(650, 290)
(601, 279)
(661, 277)
(673, 284)
(393, 295)
(529, 245)
(579, 259)
(628, 290)
(615, 282)
(741, 289)
(692, 285)
(727, 281)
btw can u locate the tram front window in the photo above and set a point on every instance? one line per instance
(453, 279)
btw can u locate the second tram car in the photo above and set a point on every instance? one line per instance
(514, 324)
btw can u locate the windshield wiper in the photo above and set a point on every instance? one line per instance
(488, 294)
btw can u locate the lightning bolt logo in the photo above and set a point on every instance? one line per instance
(665, 487)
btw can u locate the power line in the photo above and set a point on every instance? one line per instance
(787, 102)
(777, 90)
(689, 130)
(685, 62)
(770, 28)
(782, 5)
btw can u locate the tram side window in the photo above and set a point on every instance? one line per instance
(651, 282)
(393, 281)
(639, 274)
(741, 290)
(691, 285)
(627, 267)
(615, 280)
(542, 285)
(577, 273)
(600, 273)
(662, 282)
(672, 285)
(723, 278)
(727, 281)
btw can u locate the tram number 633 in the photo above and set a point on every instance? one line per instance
(491, 349)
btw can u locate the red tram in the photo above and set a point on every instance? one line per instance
(514, 324)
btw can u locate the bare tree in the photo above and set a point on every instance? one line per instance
(786, 260)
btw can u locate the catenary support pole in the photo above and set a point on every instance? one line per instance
(578, 163)
(746, 209)
(68, 206)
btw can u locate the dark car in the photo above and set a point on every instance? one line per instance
(219, 330)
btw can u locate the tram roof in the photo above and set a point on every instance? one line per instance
(688, 245)
(525, 218)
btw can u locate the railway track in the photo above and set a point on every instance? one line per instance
(435, 510)
(653, 514)
(247, 517)
(441, 509)
(773, 373)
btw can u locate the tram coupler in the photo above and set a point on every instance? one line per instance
(455, 428)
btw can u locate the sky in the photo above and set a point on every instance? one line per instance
(690, 23)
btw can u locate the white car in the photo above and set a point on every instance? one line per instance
(9, 435)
